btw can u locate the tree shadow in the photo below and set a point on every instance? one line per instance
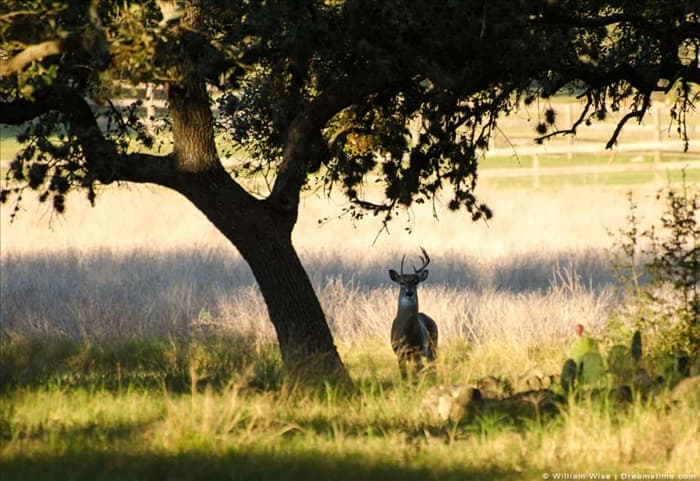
(141, 293)
(263, 464)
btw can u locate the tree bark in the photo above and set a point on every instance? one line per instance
(261, 231)
(305, 341)
(262, 234)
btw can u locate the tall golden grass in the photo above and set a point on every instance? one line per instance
(145, 263)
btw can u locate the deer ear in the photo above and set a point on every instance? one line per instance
(394, 275)
(423, 275)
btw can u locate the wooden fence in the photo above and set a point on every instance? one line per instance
(652, 140)
(653, 137)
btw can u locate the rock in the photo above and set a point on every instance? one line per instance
(493, 388)
(532, 380)
(451, 402)
(687, 391)
(526, 404)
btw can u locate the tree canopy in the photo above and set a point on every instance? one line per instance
(356, 72)
(329, 93)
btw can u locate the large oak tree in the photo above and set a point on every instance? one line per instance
(316, 93)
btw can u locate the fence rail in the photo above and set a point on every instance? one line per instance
(654, 139)
(515, 139)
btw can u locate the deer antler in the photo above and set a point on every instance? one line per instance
(424, 259)
(402, 259)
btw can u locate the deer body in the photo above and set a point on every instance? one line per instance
(414, 335)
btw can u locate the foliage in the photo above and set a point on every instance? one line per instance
(412, 90)
(660, 267)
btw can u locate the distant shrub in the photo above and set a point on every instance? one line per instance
(660, 270)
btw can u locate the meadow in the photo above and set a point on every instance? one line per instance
(135, 345)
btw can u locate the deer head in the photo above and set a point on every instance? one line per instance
(409, 282)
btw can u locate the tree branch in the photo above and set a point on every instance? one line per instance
(635, 114)
(37, 52)
(304, 144)
(554, 16)
(571, 130)
(102, 159)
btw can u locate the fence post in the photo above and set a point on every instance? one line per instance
(657, 138)
(569, 124)
(535, 171)
(150, 109)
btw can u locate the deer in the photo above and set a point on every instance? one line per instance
(414, 335)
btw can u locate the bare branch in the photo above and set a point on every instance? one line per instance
(636, 114)
(571, 130)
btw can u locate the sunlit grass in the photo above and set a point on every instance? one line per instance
(135, 345)
(379, 432)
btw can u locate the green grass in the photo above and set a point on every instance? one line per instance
(611, 179)
(561, 160)
(196, 409)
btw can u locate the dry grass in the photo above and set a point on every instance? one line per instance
(144, 263)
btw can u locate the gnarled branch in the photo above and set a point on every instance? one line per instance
(102, 158)
(304, 143)
(37, 52)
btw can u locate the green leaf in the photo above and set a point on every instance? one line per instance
(582, 346)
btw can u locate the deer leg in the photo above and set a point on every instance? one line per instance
(418, 362)
(431, 353)
(402, 366)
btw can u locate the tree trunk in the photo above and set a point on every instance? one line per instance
(262, 234)
(304, 338)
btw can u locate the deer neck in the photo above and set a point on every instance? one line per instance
(407, 309)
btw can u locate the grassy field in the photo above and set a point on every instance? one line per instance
(135, 345)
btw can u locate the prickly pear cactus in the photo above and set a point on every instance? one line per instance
(620, 363)
(674, 369)
(637, 346)
(581, 346)
(568, 375)
(585, 364)
(592, 368)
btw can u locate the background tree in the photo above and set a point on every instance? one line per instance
(320, 94)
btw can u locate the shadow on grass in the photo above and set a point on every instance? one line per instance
(119, 364)
(142, 293)
(108, 434)
(231, 465)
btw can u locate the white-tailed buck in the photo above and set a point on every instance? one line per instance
(414, 335)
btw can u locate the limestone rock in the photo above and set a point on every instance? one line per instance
(451, 402)
(494, 388)
(532, 380)
(687, 391)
